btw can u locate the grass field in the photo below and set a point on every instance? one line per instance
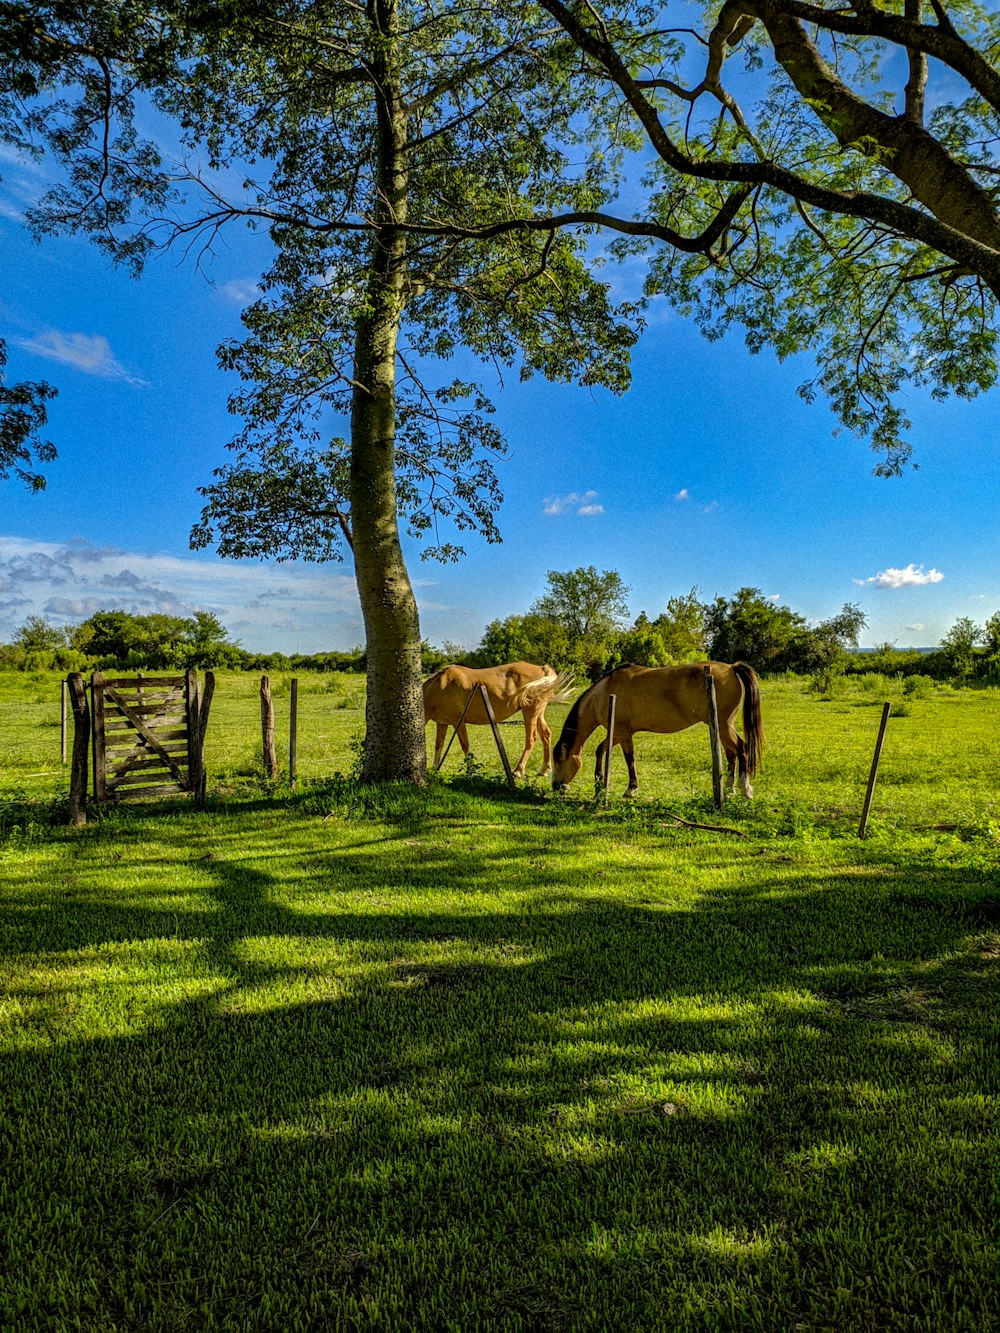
(466, 1059)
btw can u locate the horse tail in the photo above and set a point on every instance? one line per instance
(753, 726)
(554, 688)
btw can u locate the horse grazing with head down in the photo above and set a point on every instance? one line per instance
(512, 687)
(665, 699)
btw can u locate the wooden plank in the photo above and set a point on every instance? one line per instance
(173, 705)
(267, 729)
(146, 682)
(62, 720)
(137, 780)
(97, 729)
(141, 759)
(118, 725)
(606, 776)
(149, 737)
(123, 761)
(192, 700)
(496, 735)
(293, 733)
(863, 826)
(121, 739)
(172, 790)
(206, 704)
(77, 691)
(468, 705)
(718, 790)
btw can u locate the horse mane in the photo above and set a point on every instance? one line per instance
(608, 671)
(570, 727)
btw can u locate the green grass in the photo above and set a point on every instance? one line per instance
(470, 1060)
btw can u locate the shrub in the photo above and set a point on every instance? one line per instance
(918, 687)
(872, 682)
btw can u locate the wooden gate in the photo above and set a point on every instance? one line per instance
(149, 734)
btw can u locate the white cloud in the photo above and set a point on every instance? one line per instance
(711, 507)
(774, 597)
(269, 607)
(918, 625)
(913, 576)
(87, 352)
(580, 501)
(683, 494)
(240, 290)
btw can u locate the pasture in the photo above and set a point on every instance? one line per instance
(467, 1059)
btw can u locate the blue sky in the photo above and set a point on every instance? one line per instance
(709, 473)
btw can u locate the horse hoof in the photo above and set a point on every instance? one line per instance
(630, 792)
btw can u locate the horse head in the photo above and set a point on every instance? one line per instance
(565, 765)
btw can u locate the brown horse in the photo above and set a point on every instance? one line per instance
(511, 687)
(665, 699)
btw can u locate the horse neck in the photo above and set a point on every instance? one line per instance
(589, 714)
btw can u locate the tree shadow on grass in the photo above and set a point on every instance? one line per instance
(597, 1106)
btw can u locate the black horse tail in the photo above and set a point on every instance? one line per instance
(753, 726)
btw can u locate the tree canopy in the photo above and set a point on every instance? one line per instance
(589, 607)
(823, 174)
(579, 624)
(407, 159)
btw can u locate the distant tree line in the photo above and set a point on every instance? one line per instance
(118, 640)
(580, 624)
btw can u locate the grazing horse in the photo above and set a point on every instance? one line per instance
(514, 686)
(664, 699)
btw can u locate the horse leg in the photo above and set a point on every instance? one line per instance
(736, 758)
(463, 740)
(628, 750)
(599, 765)
(733, 761)
(732, 743)
(440, 735)
(530, 723)
(545, 731)
(745, 786)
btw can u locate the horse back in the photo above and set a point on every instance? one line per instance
(667, 699)
(447, 692)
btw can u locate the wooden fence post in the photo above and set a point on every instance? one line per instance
(862, 827)
(97, 735)
(468, 705)
(267, 728)
(718, 791)
(77, 691)
(206, 704)
(496, 735)
(606, 775)
(62, 720)
(192, 713)
(293, 733)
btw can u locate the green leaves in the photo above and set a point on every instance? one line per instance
(22, 415)
(868, 234)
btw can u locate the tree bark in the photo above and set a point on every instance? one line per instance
(394, 713)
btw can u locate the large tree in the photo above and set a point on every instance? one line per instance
(402, 155)
(823, 173)
(590, 606)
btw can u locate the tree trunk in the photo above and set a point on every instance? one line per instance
(394, 713)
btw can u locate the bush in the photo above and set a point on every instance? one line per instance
(918, 687)
(872, 682)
